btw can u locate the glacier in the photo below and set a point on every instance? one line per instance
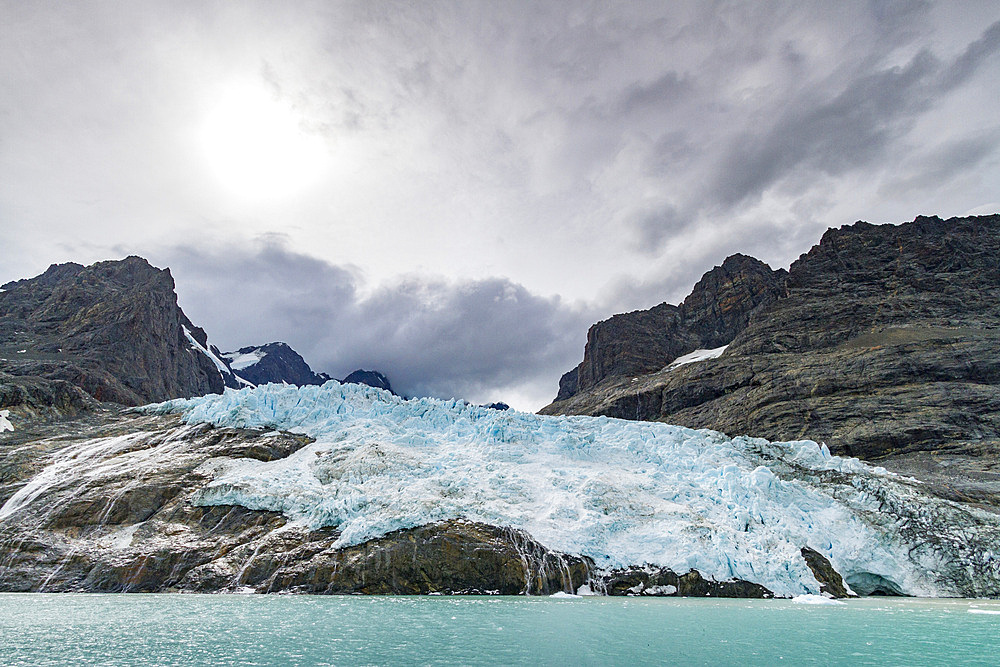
(622, 493)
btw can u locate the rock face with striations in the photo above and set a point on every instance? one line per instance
(884, 344)
(112, 331)
(273, 362)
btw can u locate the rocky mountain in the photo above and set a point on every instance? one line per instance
(370, 378)
(110, 332)
(273, 362)
(883, 341)
(643, 341)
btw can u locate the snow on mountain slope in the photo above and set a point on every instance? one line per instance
(228, 377)
(273, 362)
(697, 355)
(623, 493)
(239, 361)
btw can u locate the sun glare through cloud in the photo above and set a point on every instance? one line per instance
(257, 147)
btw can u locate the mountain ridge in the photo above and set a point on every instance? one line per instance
(884, 345)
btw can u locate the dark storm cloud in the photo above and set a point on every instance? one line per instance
(850, 130)
(816, 133)
(662, 92)
(472, 339)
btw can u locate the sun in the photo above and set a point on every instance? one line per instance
(257, 148)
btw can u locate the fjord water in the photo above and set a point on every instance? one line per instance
(64, 629)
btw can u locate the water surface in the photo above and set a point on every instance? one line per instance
(62, 629)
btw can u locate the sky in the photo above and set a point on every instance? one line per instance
(453, 192)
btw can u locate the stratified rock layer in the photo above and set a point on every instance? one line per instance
(113, 329)
(885, 344)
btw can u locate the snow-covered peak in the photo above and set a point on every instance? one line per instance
(238, 361)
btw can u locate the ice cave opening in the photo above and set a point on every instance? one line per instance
(869, 583)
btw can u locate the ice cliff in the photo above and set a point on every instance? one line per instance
(622, 493)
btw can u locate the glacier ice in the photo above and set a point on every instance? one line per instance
(623, 493)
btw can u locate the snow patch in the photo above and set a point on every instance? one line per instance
(697, 355)
(120, 539)
(238, 361)
(660, 590)
(5, 424)
(207, 352)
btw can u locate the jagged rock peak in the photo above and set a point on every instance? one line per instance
(113, 329)
(883, 345)
(642, 341)
(370, 378)
(273, 362)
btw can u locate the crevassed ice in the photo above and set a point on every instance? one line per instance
(623, 493)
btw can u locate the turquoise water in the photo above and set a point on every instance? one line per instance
(63, 629)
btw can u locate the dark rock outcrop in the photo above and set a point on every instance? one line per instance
(664, 582)
(112, 329)
(829, 579)
(273, 362)
(643, 341)
(370, 378)
(884, 344)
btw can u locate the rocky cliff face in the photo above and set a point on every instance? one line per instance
(273, 362)
(643, 341)
(112, 330)
(884, 344)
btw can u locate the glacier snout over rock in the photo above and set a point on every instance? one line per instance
(619, 492)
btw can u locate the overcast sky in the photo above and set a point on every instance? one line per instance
(452, 192)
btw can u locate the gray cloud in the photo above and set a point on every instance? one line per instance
(971, 59)
(660, 93)
(944, 163)
(608, 153)
(846, 132)
(488, 339)
(826, 131)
